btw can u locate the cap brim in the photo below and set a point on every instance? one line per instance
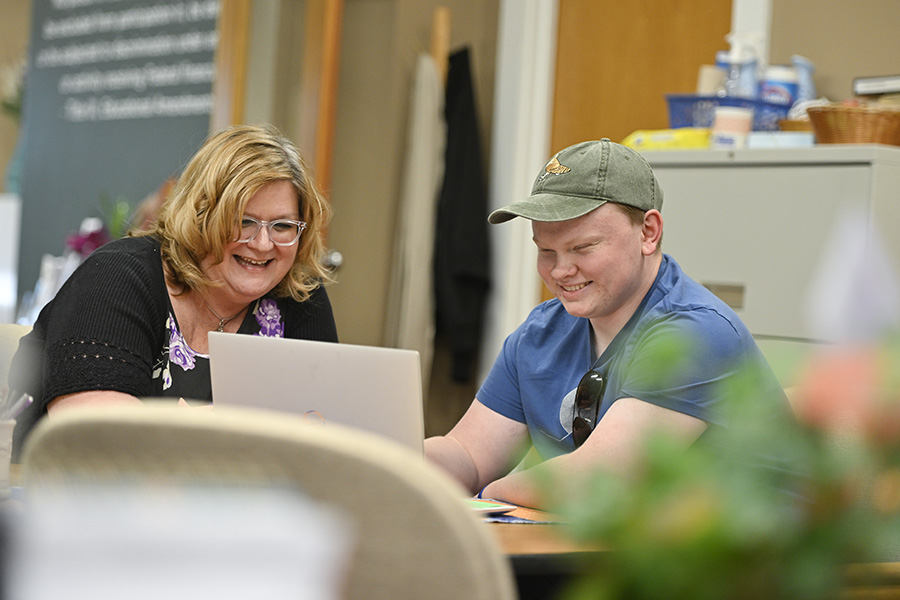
(546, 207)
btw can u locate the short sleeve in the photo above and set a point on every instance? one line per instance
(683, 359)
(500, 390)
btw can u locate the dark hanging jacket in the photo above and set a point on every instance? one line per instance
(461, 269)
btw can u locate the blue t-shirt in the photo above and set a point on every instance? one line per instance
(677, 350)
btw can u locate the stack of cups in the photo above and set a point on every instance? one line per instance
(731, 126)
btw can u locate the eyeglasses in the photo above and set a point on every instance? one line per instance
(587, 399)
(282, 232)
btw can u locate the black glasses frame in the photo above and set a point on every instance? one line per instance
(587, 403)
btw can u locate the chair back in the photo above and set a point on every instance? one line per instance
(415, 536)
(9, 343)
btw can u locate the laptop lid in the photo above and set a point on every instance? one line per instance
(372, 388)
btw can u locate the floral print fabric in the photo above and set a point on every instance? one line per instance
(269, 318)
(177, 352)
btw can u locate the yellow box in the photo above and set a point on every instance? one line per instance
(682, 138)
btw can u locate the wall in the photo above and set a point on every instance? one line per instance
(14, 27)
(101, 126)
(843, 38)
(381, 40)
(523, 107)
(601, 95)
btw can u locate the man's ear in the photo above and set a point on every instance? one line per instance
(651, 231)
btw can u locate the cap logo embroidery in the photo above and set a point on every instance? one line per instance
(554, 167)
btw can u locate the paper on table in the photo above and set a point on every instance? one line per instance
(490, 507)
(518, 514)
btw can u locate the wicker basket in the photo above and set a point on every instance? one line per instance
(839, 124)
(794, 125)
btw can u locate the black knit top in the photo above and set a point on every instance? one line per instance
(111, 327)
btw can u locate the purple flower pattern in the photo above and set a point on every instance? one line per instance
(177, 352)
(269, 318)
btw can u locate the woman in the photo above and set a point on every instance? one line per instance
(237, 247)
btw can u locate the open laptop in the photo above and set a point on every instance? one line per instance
(372, 388)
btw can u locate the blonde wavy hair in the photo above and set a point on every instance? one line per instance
(203, 211)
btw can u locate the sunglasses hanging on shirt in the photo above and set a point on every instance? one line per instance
(587, 403)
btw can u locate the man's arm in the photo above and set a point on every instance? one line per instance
(481, 447)
(615, 445)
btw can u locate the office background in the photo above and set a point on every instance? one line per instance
(379, 44)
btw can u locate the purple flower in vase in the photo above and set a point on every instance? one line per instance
(179, 352)
(269, 318)
(91, 236)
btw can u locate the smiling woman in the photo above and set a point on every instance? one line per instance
(237, 247)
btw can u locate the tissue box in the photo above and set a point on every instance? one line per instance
(668, 139)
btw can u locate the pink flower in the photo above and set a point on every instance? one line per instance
(84, 244)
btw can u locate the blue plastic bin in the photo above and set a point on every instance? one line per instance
(689, 110)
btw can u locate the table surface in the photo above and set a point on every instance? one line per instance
(547, 536)
(544, 558)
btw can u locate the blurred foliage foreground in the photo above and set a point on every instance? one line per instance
(714, 523)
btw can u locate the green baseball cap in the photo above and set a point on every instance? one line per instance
(583, 177)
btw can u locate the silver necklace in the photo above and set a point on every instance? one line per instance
(222, 320)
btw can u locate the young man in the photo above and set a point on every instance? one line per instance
(581, 377)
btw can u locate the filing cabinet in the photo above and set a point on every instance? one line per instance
(751, 224)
